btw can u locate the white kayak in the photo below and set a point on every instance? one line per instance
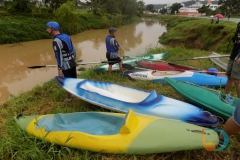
(123, 98)
(188, 76)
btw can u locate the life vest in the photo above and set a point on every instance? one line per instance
(68, 53)
(110, 44)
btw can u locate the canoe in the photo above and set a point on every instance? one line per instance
(131, 61)
(116, 133)
(123, 98)
(221, 62)
(188, 76)
(210, 99)
(168, 66)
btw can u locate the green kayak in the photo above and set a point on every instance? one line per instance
(210, 99)
(130, 62)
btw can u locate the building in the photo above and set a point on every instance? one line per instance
(191, 7)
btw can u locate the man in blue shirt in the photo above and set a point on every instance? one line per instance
(112, 50)
(65, 53)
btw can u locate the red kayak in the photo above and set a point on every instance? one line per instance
(167, 66)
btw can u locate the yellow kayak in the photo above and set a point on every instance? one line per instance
(116, 132)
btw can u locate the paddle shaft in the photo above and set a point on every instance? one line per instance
(195, 58)
(78, 63)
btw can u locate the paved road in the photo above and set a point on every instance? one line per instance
(222, 19)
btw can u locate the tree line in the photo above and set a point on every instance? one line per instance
(125, 7)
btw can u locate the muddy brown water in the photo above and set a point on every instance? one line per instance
(16, 77)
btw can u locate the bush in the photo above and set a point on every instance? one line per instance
(67, 19)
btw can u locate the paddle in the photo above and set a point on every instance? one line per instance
(128, 66)
(194, 58)
(78, 63)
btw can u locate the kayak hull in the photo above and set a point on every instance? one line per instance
(210, 99)
(116, 133)
(167, 66)
(123, 98)
(188, 76)
(131, 61)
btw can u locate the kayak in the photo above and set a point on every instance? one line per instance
(116, 133)
(123, 98)
(221, 62)
(168, 66)
(188, 76)
(164, 66)
(131, 61)
(210, 99)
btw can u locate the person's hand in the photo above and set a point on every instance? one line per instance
(119, 48)
(60, 74)
(238, 61)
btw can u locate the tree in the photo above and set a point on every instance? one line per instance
(204, 9)
(140, 8)
(66, 17)
(131, 8)
(163, 11)
(97, 7)
(232, 6)
(112, 6)
(175, 7)
(55, 4)
(150, 7)
(19, 5)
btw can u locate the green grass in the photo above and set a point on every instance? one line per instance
(48, 99)
(197, 33)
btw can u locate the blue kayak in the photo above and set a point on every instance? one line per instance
(200, 79)
(123, 98)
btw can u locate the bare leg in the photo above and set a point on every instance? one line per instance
(229, 85)
(68, 95)
(231, 127)
(109, 68)
(120, 66)
(237, 84)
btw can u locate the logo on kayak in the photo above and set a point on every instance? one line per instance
(210, 146)
(139, 75)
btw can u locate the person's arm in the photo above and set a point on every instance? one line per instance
(58, 55)
(74, 52)
(116, 45)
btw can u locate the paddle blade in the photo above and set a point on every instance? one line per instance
(35, 67)
(127, 66)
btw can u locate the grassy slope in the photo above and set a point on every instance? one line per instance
(198, 33)
(15, 144)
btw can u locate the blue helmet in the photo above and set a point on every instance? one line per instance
(53, 24)
(212, 71)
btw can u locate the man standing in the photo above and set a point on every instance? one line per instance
(233, 68)
(112, 49)
(65, 53)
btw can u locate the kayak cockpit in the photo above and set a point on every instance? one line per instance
(94, 123)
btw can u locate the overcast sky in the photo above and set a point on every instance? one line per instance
(162, 1)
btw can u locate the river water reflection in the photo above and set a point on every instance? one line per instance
(90, 45)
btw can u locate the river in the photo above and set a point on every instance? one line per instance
(16, 77)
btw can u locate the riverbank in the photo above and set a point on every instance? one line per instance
(197, 33)
(22, 27)
(47, 99)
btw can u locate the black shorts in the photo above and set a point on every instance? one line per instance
(116, 60)
(70, 73)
